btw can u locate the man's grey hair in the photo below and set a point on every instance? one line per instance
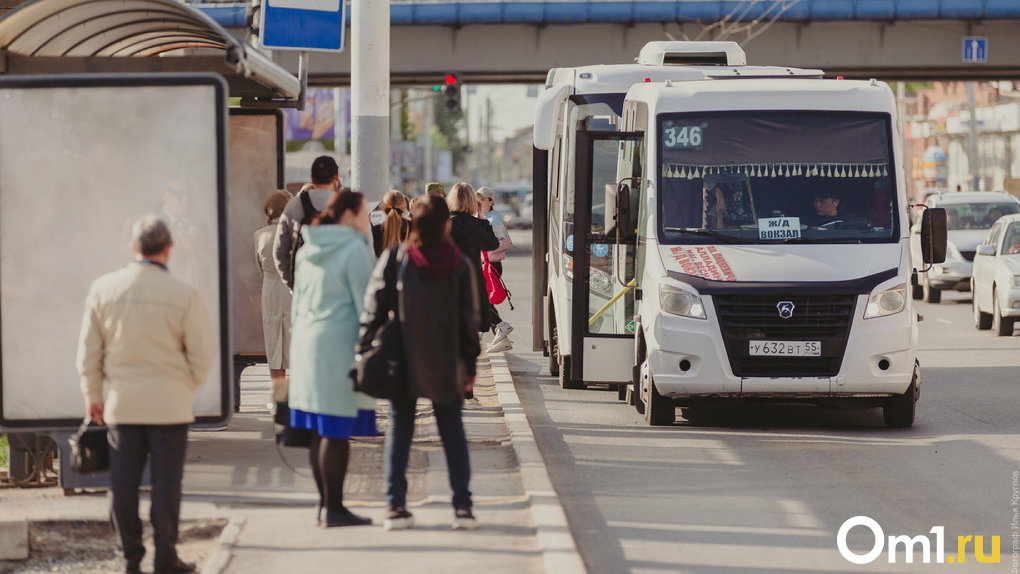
(150, 235)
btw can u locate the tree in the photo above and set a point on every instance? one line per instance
(449, 132)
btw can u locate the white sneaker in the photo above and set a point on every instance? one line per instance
(464, 519)
(503, 331)
(398, 519)
(500, 346)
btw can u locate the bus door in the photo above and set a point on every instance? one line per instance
(602, 256)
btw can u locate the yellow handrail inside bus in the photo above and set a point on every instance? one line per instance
(602, 311)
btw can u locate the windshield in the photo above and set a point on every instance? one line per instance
(977, 215)
(765, 177)
(1011, 246)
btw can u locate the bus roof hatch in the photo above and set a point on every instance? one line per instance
(692, 54)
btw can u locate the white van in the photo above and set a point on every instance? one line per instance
(748, 240)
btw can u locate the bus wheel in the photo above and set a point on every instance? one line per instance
(554, 351)
(899, 411)
(564, 375)
(659, 410)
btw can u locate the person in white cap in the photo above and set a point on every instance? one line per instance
(500, 328)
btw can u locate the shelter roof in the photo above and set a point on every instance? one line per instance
(135, 36)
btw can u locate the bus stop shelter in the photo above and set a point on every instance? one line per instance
(111, 39)
(48, 37)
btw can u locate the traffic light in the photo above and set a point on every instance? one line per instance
(451, 93)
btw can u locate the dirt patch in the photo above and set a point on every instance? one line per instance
(90, 547)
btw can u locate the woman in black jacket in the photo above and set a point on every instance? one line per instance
(472, 235)
(438, 308)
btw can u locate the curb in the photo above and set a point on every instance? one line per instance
(217, 562)
(555, 541)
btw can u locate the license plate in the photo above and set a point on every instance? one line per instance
(786, 348)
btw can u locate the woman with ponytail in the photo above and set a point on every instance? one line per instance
(389, 224)
(334, 266)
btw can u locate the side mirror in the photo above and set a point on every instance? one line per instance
(618, 217)
(986, 250)
(934, 235)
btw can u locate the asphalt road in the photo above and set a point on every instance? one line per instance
(767, 488)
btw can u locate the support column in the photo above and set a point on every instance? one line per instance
(370, 97)
(973, 152)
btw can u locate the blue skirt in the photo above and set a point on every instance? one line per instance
(335, 426)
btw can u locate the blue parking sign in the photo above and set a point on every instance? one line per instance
(975, 49)
(303, 25)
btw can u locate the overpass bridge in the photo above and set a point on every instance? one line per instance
(518, 41)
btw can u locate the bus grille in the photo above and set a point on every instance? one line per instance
(825, 318)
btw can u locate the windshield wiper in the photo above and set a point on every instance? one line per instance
(821, 240)
(706, 233)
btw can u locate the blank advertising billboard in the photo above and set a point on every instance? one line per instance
(255, 170)
(82, 158)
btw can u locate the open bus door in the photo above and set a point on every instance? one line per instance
(601, 247)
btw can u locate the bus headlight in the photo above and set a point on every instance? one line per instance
(679, 302)
(887, 302)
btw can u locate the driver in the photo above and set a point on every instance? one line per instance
(826, 206)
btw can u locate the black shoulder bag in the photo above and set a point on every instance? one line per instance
(379, 365)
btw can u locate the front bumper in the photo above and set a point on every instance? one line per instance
(951, 275)
(1009, 305)
(676, 342)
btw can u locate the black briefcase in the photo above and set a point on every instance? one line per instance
(90, 450)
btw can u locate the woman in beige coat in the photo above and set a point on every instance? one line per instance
(275, 297)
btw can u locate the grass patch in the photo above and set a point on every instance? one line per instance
(5, 450)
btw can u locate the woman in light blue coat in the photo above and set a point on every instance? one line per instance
(332, 269)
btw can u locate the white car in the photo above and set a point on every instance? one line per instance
(996, 280)
(970, 215)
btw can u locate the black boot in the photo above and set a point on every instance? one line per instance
(344, 518)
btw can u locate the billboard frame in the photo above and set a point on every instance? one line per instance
(219, 86)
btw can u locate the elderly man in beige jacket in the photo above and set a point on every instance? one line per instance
(145, 349)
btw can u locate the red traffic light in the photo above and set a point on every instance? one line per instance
(450, 79)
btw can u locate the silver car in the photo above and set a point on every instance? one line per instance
(996, 280)
(970, 216)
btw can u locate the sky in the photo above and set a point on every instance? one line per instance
(512, 109)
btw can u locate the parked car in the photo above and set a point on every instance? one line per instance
(526, 215)
(970, 216)
(509, 214)
(996, 280)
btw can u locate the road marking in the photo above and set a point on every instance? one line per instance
(798, 514)
(946, 321)
(720, 528)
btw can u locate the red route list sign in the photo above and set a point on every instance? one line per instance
(707, 262)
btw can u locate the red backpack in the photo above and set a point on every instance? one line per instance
(494, 285)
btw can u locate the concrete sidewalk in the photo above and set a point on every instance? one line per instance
(273, 528)
(268, 496)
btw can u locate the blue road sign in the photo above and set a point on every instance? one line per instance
(975, 49)
(303, 25)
